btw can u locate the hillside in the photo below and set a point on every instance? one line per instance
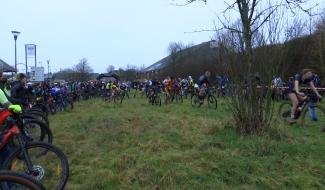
(286, 59)
(191, 61)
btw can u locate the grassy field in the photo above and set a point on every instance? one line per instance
(138, 146)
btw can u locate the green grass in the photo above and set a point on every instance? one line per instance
(138, 146)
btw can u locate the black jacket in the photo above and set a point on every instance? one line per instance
(18, 93)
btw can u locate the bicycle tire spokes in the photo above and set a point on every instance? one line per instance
(313, 117)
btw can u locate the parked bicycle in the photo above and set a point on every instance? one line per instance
(18, 181)
(42, 161)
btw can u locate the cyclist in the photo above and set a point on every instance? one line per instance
(190, 81)
(305, 77)
(114, 89)
(184, 86)
(184, 83)
(19, 90)
(155, 85)
(154, 89)
(170, 86)
(317, 81)
(5, 103)
(124, 87)
(202, 84)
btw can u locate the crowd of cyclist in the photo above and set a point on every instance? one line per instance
(19, 94)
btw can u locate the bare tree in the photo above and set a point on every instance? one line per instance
(320, 42)
(251, 110)
(297, 29)
(175, 47)
(141, 67)
(110, 68)
(83, 69)
(320, 24)
(130, 67)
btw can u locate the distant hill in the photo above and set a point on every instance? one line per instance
(288, 59)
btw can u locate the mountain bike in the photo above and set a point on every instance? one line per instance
(311, 112)
(18, 181)
(42, 161)
(116, 97)
(154, 97)
(122, 94)
(198, 101)
(173, 95)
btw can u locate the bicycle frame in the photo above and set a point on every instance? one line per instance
(14, 130)
(309, 100)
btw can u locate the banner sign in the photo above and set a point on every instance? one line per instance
(30, 50)
(37, 74)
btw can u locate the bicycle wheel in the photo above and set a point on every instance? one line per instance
(35, 110)
(167, 99)
(52, 108)
(285, 111)
(195, 102)
(122, 97)
(313, 116)
(179, 98)
(49, 164)
(68, 104)
(212, 102)
(42, 107)
(61, 106)
(18, 181)
(157, 101)
(36, 131)
(37, 117)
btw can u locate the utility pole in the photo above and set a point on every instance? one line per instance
(48, 69)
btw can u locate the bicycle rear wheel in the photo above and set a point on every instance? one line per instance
(122, 97)
(18, 181)
(212, 102)
(50, 165)
(285, 111)
(313, 116)
(157, 101)
(195, 101)
(69, 104)
(37, 117)
(53, 108)
(167, 99)
(179, 98)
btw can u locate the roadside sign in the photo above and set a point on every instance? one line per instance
(37, 74)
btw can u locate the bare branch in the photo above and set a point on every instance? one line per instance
(187, 3)
(198, 31)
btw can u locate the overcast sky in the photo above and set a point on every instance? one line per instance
(106, 32)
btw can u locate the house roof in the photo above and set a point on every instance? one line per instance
(161, 64)
(5, 67)
(158, 65)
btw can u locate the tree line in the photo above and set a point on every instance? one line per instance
(83, 71)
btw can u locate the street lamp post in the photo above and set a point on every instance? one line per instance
(48, 69)
(15, 34)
